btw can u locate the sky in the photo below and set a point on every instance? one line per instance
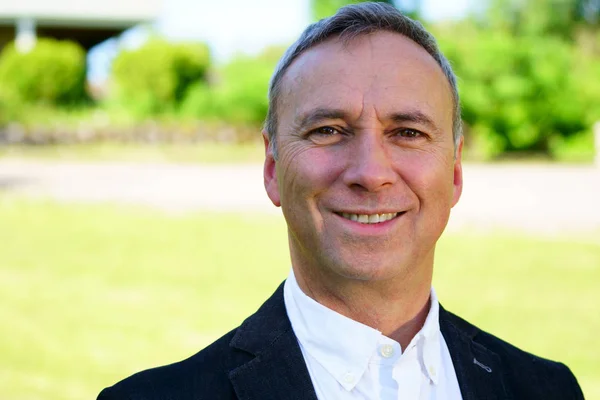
(235, 26)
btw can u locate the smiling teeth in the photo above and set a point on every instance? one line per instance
(369, 219)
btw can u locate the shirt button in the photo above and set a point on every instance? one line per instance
(387, 350)
(348, 377)
(432, 371)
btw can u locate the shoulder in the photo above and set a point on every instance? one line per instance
(203, 374)
(525, 374)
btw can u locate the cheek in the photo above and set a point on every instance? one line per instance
(308, 172)
(305, 179)
(431, 177)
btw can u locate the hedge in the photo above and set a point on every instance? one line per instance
(52, 73)
(155, 77)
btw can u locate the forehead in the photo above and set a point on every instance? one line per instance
(382, 69)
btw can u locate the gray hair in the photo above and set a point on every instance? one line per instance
(348, 23)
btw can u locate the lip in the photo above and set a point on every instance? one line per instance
(370, 229)
(370, 212)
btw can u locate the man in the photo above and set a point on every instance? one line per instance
(363, 153)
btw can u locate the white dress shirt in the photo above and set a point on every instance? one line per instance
(349, 360)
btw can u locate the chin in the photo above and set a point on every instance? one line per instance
(372, 269)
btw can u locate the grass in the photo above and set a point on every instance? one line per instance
(91, 294)
(206, 152)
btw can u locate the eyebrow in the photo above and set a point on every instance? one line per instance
(416, 117)
(316, 115)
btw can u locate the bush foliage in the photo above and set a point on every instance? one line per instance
(52, 73)
(528, 77)
(521, 93)
(239, 93)
(155, 77)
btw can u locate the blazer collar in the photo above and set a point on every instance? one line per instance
(278, 370)
(479, 370)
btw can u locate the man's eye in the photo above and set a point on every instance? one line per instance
(325, 131)
(325, 135)
(409, 133)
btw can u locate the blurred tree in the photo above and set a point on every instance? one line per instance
(238, 94)
(52, 73)
(589, 10)
(157, 76)
(543, 17)
(521, 93)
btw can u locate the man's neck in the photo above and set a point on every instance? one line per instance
(398, 310)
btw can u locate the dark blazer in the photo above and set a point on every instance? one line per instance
(261, 360)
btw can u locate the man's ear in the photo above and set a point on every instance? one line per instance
(270, 173)
(458, 173)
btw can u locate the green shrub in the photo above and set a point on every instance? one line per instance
(52, 73)
(239, 94)
(199, 102)
(155, 77)
(576, 148)
(521, 94)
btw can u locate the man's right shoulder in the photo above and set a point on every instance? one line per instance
(204, 373)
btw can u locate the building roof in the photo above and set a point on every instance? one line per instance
(101, 13)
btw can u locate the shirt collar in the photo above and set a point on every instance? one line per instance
(343, 346)
(431, 337)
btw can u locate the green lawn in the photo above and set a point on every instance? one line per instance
(91, 294)
(206, 152)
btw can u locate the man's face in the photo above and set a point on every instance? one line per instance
(366, 174)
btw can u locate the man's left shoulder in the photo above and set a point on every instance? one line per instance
(525, 374)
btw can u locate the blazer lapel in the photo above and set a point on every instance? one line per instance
(278, 370)
(478, 369)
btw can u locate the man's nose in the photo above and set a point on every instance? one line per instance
(369, 164)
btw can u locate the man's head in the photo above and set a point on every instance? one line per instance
(348, 23)
(367, 167)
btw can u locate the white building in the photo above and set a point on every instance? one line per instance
(87, 22)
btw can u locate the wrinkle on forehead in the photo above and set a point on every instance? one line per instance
(369, 77)
(349, 47)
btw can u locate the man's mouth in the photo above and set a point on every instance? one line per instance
(369, 218)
